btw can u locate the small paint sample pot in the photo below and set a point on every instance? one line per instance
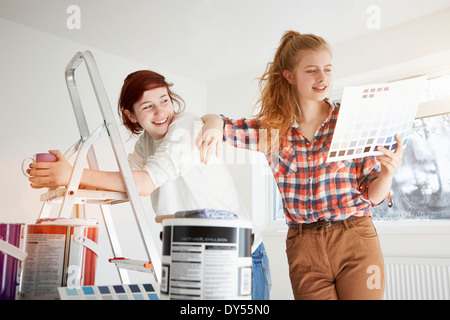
(206, 259)
(61, 253)
(11, 258)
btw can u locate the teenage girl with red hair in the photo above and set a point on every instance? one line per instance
(166, 164)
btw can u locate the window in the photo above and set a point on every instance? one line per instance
(421, 186)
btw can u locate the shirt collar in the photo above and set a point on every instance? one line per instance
(330, 102)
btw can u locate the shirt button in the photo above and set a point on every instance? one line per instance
(309, 158)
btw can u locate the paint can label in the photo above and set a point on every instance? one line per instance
(206, 262)
(43, 270)
(57, 257)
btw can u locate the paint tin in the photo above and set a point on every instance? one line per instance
(61, 253)
(206, 259)
(11, 257)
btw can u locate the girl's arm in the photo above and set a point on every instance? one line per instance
(57, 174)
(242, 133)
(390, 162)
(113, 181)
(210, 137)
(379, 189)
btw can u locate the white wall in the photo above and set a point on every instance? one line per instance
(419, 38)
(37, 116)
(417, 45)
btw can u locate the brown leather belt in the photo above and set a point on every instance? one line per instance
(321, 223)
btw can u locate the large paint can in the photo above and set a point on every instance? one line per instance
(206, 259)
(11, 257)
(61, 252)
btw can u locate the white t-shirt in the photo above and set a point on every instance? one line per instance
(183, 182)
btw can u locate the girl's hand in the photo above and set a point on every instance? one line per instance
(391, 160)
(50, 174)
(210, 138)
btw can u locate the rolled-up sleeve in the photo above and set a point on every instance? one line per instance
(138, 161)
(368, 169)
(242, 133)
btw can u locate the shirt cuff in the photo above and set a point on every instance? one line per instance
(225, 119)
(154, 172)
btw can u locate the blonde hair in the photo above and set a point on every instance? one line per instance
(279, 99)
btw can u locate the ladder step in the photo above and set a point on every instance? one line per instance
(135, 265)
(85, 196)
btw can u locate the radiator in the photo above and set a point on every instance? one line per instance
(417, 279)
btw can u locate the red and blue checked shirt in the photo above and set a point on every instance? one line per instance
(310, 187)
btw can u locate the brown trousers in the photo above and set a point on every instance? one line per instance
(342, 261)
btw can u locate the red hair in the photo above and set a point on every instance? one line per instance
(134, 86)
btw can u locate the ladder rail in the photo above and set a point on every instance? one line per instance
(77, 172)
(75, 97)
(114, 240)
(117, 145)
(83, 128)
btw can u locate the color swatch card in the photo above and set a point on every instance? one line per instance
(144, 291)
(371, 115)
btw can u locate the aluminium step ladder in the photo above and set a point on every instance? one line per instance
(72, 195)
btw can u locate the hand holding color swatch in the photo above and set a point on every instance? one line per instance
(371, 115)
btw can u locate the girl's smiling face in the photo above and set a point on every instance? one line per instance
(313, 75)
(154, 112)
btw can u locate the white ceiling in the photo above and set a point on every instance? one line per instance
(208, 39)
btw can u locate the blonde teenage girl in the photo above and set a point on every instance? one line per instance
(332, 246)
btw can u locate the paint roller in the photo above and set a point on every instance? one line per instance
(199, 214)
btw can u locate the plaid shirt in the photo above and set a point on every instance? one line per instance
(311, 188)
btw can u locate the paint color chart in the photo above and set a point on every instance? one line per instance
(371, 115)
(111, 292)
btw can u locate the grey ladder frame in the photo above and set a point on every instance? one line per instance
(86, 152)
